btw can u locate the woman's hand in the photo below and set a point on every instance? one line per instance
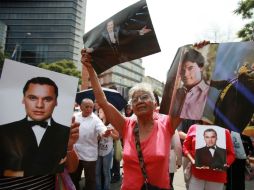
(107, 133)
(201, 44)
(191, 158)
(74, 134)
(203, 167)
(86, 58)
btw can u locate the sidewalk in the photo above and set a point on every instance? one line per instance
(179, 182)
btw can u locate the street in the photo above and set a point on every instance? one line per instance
(178, 182)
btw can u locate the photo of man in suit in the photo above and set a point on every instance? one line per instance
(117, 39)
(36, 144)
(112, 35)
(125, 36)
(211, 155)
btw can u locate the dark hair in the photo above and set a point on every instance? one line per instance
(106, 121)
(109, 20)
(125, 110)
(194, 56)
(156, 98)
(210, 130)
(41, 81)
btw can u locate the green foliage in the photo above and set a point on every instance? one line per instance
(246, 33)
(245, 9)
(62, 66)
(1, 58)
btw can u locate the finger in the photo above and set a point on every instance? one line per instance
(72, 119)
(75, 135)
(83, 51)
(76, 128)
(87, 56)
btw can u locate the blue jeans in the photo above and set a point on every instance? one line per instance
(103, 166)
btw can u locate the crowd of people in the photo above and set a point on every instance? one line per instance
(154, 145)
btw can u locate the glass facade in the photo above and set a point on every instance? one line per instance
(3, 32)
(44, 31)
(123, 76)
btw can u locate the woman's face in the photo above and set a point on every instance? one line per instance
(101, 114)
(142, 103)
(128, 109)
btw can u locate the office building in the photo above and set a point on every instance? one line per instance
(157, 85)
(3, 32)
(122, 76)
(43, 31)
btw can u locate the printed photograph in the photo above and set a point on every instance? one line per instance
(230, 102)
(125, 36)
(188, 82)
(36, 111)
(210, 147)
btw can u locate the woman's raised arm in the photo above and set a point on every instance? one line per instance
(112, 114)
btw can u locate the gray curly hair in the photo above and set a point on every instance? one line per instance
(142, 87)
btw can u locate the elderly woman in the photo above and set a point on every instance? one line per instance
(155, 132)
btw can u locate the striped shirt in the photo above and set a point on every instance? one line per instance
(45, 182)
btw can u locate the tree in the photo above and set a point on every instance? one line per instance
(62, 66)
(1, 58)
(246, 10)
(3, 55)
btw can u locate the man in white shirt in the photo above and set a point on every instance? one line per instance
(87, 145)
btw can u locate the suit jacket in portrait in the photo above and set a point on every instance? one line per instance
(19, 150)
(124, 38)
(203, 157)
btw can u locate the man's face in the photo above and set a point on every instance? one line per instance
(210, 138)
(190, 74)
(101, 114)
(40, 101)
(110, 26)
(86, 108)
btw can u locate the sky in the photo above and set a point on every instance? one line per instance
(176, 23)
